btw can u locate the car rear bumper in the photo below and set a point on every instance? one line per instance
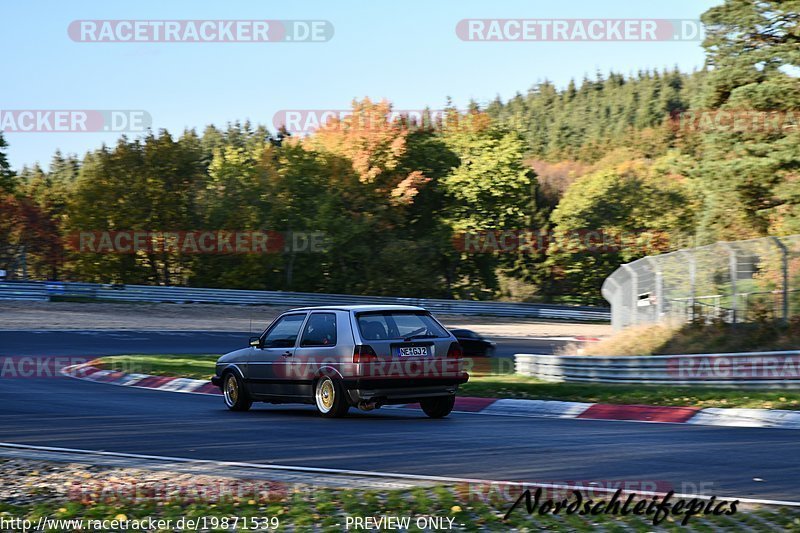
(403, 383)
(392, 390)
(216, 380)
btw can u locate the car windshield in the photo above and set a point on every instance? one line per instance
(395, 325)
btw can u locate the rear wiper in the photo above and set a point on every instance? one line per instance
(424, 336)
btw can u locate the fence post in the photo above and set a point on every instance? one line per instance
(692, 273)
(634, 294)
(785, 281)
(733, 266)
(659, 279)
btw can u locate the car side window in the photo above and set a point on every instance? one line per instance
(320, 330)
(284, 333)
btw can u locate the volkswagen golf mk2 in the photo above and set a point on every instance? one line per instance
(339, 357)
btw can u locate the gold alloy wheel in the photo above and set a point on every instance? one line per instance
(325, 395)
(231, 390)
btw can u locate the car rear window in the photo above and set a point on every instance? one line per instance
(397, 325)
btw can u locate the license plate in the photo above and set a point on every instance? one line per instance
(413, 351)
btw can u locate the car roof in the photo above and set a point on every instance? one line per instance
(360, 308)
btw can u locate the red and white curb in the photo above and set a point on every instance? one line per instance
(761, 418)
(88, 372)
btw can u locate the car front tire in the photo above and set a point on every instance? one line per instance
(234, 393)
(439, 406)
(330, 398)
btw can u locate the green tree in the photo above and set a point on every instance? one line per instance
(749, 174)
(619, 213)
(6, 174)
(490, 189)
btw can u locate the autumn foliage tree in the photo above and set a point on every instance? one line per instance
(607, 153)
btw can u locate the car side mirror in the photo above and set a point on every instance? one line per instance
(255, 342)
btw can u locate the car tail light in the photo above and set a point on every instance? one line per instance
(364, 353)
(455, 351)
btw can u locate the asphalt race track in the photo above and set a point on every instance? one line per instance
(111, 342)
(70, 413)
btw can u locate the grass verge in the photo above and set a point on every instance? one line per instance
(329, 509)
(185, 366)
(485, 384)
(62, 492)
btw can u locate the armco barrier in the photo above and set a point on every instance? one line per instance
(728, 370)
(23, 291)
(143, 293)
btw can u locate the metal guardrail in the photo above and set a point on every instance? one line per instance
(43, 291)
(726, 370)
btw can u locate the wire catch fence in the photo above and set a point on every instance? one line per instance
(735, 282)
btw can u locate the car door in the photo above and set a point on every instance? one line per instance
(267, 375)
(323, 343)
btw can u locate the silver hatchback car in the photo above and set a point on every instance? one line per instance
(339, 357)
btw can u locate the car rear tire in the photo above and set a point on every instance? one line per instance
(330, 398)
(234, 393)
(439, 406)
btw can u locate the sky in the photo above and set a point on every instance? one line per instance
(407, 52)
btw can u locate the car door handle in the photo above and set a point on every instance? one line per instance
(287, 353)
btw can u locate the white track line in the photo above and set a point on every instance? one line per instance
(368, 473)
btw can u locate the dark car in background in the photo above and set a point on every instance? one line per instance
(473, 344)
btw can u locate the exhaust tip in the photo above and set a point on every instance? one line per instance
(367, 406)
